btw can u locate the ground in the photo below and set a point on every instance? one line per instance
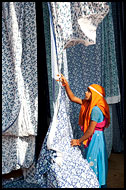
(116, 171)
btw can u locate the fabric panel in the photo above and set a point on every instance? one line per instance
(110, 80)
(19, 69)
(17, 152)
(72, 26)
(19, 85)
(55, 156)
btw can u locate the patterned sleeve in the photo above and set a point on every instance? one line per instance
(95, 114)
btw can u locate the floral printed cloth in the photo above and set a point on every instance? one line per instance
(19, 69)
(77, 21)
(60, 165)
(19, 85)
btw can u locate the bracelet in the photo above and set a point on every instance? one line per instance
(63, 84)
(79, 144)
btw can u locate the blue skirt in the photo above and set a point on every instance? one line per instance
(96, 154)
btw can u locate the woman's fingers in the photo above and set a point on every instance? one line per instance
(62, 79)
(73, 142)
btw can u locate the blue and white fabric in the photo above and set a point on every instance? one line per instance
(19, 84)
(59, 165)
(110, 80)
(77, 21)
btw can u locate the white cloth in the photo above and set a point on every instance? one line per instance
(77, 21)
(60, 165)
(19, 85)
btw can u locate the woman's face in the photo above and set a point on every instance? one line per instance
(88, 94)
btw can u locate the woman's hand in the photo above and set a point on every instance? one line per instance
(69, 92)
(75, 142)
(62, 79)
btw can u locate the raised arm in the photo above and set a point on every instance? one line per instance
(69, 92)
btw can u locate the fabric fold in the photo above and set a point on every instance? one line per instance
(19, 85)
(77, 21)
(59, 163)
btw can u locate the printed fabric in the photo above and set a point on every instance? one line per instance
(110, 79)
(19, 69)
(77, 21)
(19, 85)
(59, 165)
(52, 165)
(81, 65)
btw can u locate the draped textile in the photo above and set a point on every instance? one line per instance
(19, 84)
(118, 142)
(57, 154)
(86, 66)
(112, 70)
(74, 72)
(77, 21)
(77, 63)
(48, 53)
(83, 62)
(110, 80)
(17, 152)
(118, 22)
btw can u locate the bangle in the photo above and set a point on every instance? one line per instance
(66, 83)
(63, 84)
(78, 142)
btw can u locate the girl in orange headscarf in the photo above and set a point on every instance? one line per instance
(93, 118)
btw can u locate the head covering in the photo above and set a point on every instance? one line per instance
(97, 99)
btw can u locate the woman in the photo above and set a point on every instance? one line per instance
(93, 118)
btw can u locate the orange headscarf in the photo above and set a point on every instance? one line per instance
(97, 99)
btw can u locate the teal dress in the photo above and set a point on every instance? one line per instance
(96, 152)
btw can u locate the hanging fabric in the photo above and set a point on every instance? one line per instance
(77, 21)
(84, 68)
(19, 89)
(57, 158)
(110, 80)
(118, 142)
(52, 157)
(110, 77)
(48, 53)
(118, 22)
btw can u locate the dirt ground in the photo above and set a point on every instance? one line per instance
(116, 171)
